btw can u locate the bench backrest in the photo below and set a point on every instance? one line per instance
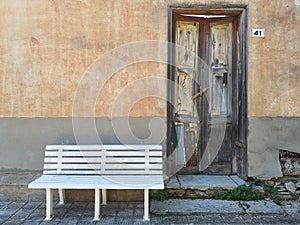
(103, 159)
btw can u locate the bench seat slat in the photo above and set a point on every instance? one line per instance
(73, 154)
(99, 153)
(98, 147)
(99, 160)
(133, 153)
(106, 172)
(102, 182)
(99, 166)
(74, 160)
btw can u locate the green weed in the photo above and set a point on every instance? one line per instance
(243, 192)
(160, 195)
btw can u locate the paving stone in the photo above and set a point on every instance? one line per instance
(7, 213)
(50, 222)
(185, 206)
(221, 206)
(204, 182)
(31, 222)
(21, 214)
(206, 219)
(123, 219)
(70, 220)
(285, 197)
(106, 220)
(38, 214)
(139, 205)
(32, 205)
(281, 189)
(175, 219)
(125, 212)
(139, 213)
(173, 183)
(262, 207)
(15, 205)
(290, 186)
(284, 193)
(79, 205)
(13, 222)
(4, 204)
(90, 213)
(237, 180)
(107, 212)
(269, 219)
(291, 207)
(126, 205)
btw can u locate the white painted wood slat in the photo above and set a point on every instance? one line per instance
(92, 181)
(74, 154)
(121, 166)
(105, 172)
(99, 147)
(74, 160)
(99, 160)
(99, 153)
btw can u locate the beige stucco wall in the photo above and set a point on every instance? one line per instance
(46, 46)
(273, 86)
(274, 62)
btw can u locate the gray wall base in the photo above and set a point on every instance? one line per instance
(23, 140)
(268, 135)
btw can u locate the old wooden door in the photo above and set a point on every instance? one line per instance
(215, 141)
(206, 99)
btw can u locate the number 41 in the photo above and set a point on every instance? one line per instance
(258, 33)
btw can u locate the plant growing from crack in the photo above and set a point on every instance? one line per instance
(243, 192)
(160, 195)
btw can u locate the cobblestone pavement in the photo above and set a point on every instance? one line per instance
(33, 212)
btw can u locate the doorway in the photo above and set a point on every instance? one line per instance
(208, 71)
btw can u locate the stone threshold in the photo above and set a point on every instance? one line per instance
(204, 182)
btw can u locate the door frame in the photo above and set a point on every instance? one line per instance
(239, 114)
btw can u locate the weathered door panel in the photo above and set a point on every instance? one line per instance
(187, 34)
(240, 129)
(216, 105)
(220, 69)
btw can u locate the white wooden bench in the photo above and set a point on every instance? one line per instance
(100, 167)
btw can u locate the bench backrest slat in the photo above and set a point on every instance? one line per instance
(103, 159)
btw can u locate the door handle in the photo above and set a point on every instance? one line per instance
(201, 93)
(225, 78)
(239, 144)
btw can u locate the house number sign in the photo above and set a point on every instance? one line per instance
(258, 32)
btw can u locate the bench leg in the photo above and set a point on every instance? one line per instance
(146, 204)
(97, 204)
(104, 197)
(61, 193)
(49, 203)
